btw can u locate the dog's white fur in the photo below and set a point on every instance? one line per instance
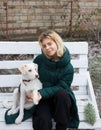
(29, 83)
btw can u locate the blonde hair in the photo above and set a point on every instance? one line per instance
(54, 37)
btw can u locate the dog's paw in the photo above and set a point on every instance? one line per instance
(18, 119)
(10, 112)
(16, 110)
(6, 104)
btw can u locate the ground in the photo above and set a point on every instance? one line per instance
(95, 69)
(95, 63)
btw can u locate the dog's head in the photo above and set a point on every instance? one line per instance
(29, 70)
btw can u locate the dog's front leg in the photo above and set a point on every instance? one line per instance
(21, 111)
(16, 95)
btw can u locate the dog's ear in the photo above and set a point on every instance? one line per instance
(21, 68)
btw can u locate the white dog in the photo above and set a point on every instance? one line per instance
(29, 83)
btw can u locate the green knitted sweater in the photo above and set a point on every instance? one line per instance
(54, 76)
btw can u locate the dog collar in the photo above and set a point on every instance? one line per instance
(24, 80)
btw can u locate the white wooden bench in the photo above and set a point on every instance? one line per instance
(82, 85)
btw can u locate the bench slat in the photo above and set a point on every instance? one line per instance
(19, 48)
(10, 80)
(77, 47)
(2, 111)
(87, 126)
(14, 80)
(79, 82)
(28, 126)
(9, 97)
(22, 126)
(12, 64)
(28, 47)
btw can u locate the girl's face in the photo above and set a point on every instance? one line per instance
(49, 47)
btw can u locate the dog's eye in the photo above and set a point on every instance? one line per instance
(30, 70)
(35, 69)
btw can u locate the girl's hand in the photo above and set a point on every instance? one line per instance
(39, 96)
(30, 98)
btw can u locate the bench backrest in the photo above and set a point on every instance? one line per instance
(78, 50)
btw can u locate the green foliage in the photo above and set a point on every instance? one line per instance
(90, 114)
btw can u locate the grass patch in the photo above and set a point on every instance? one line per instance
(95, 71)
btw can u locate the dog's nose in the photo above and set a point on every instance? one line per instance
(37, 76)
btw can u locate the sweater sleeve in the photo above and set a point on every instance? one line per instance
(64, 82)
